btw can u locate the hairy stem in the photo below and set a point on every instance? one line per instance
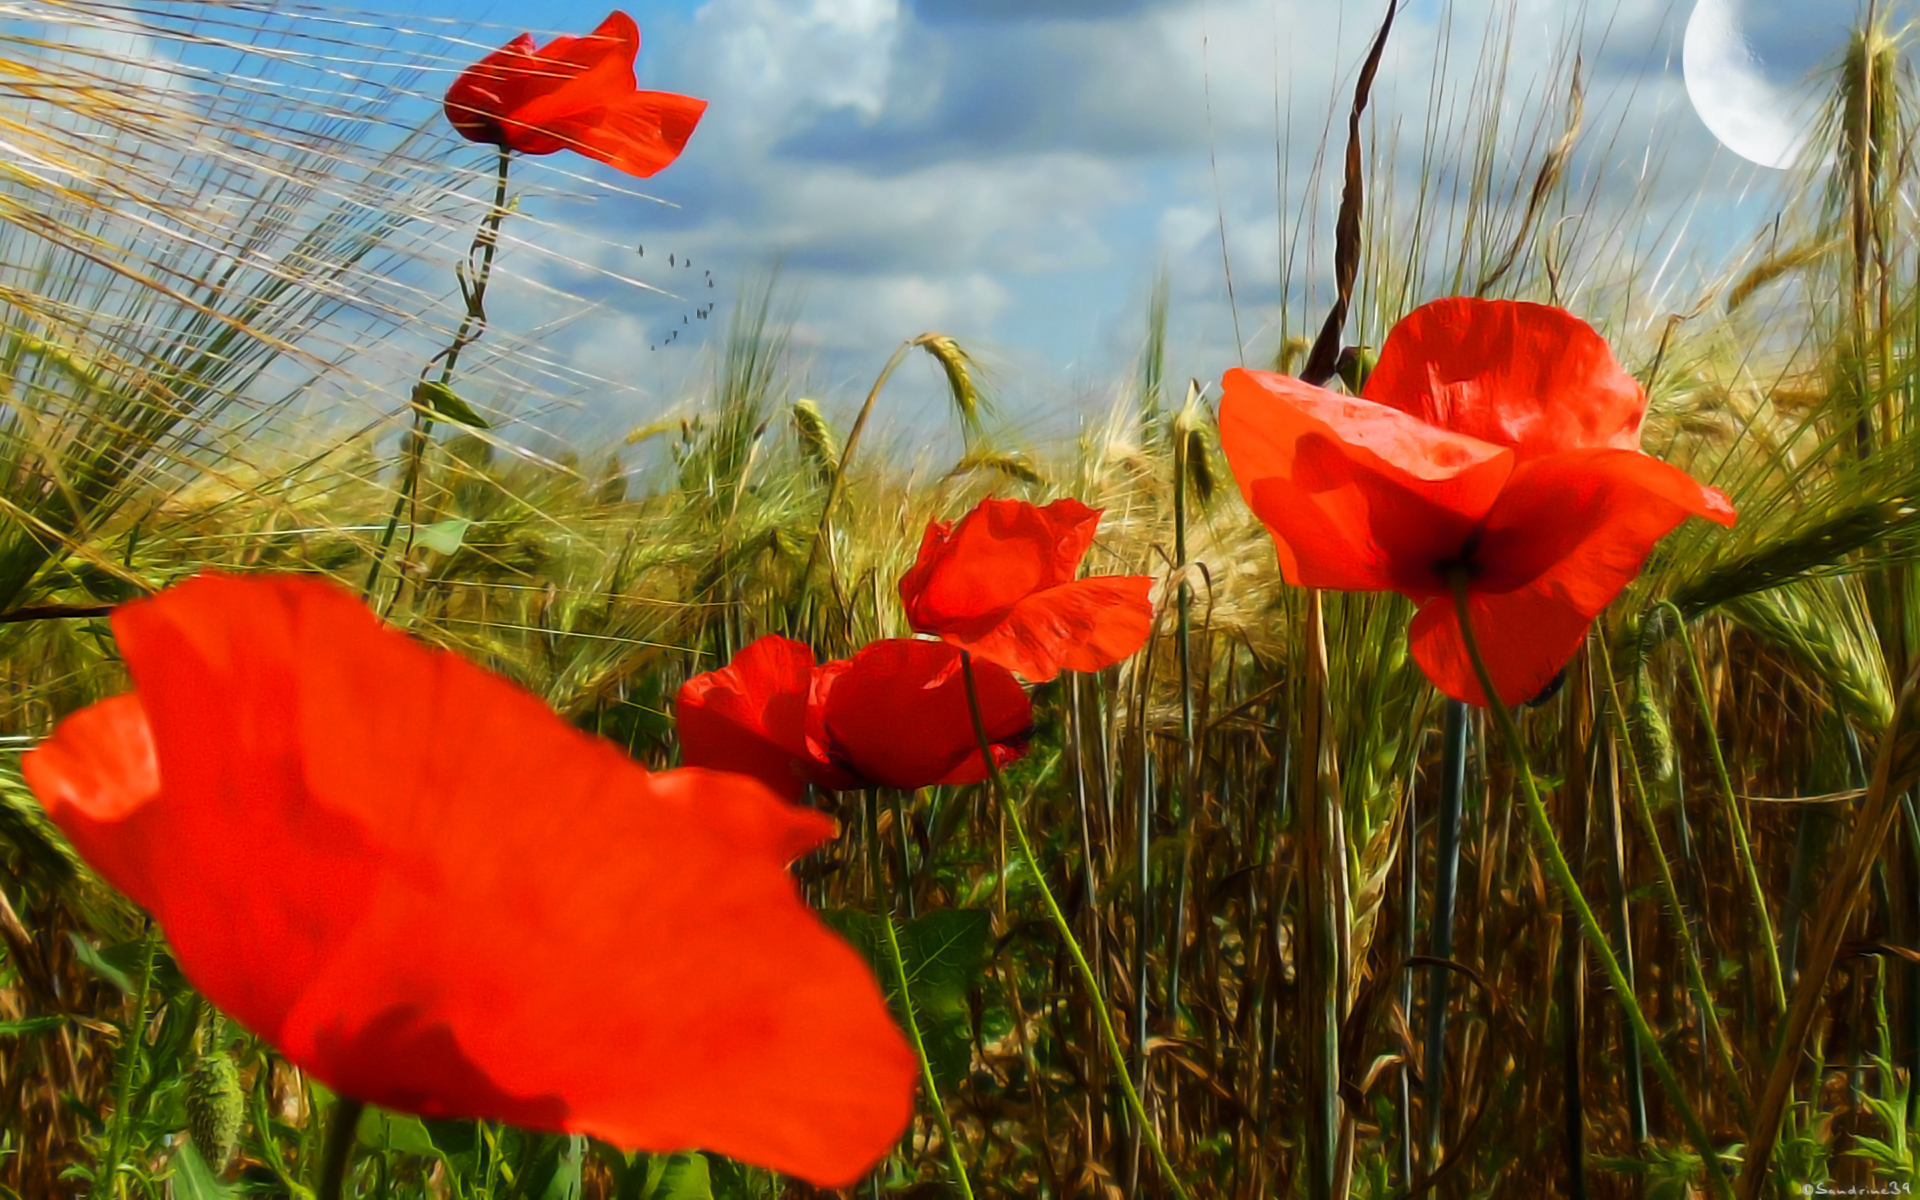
(1117, 1057)
(342, 1127)
(1563, 877)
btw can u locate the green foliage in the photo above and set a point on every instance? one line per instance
(945, 955)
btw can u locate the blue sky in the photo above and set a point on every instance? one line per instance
(1014, 172)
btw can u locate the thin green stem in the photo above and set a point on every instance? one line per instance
(947, 1132)
(1721, 1045)
(1775, 974)
(107, 1183)
(1116, 1056)
(1446, 878)
(486, 243)
(342, 1130)
(1563, 876)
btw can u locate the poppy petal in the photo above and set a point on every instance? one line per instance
(1086, 625)
(574, 94)
(1585, 521)
(1358, 496)
(434, 894)
(1529, 376)
(1566, 536)
(750, 717)
(896, 715)
(995, 556)
(1525, 637)
(98, 772)
(640, 133)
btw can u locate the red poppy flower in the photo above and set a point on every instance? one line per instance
(1001, 585)
(893, 715)
(1494, 438)
(433, 894)
(573, 94)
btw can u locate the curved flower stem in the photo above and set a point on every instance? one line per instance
(920, 1052)
(486, 242)
(1775, 975)
(342, 1127)
(883, 903)
(1715, 1034)
(1563, 876)
(1446, 878)
(107, 1184)
(1116, 1057)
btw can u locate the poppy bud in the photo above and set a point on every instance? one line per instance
(214, 1107)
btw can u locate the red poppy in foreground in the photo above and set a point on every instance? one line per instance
(574, 94)
(433, 894)
(1001, 586)
(893, 715)
(1495, 440)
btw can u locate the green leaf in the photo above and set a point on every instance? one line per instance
(193, 1179)
(555, 1174)
(383, 1130)
(97, 962)
(443, 537)
(945, 954)
(681, 1176)
(30, 1026)
(443, 402)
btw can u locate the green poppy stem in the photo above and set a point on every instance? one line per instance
(1116, 1057)
(343, 1128)
(1564, 878)
(107, 1184)
(1769, 942)
(947, 1132)
(486, 243)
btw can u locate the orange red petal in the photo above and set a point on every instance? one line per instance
(1358, 496)
(1001, 584)
(1527, 376)
(432, 893)
(751, 717)
(573, 94)
(1496, 442)
(896, 715)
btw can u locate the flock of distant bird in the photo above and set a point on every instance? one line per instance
(700, 313)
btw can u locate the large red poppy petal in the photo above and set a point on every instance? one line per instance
(979, 568)
(897, 715)
(1525, 637)
(431, 892)
(1071, 526)
(1528, 376)
(1568, 533)
(95, 775)
(616, 39)
(1582, 523)
(581, 75)
(1086, 625)
(1358, 497)
(750, 717)
(639, 133)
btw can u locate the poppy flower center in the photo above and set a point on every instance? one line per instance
(1461, 567)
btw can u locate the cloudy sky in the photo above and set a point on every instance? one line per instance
(1014, 173)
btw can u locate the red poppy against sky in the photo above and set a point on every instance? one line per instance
(1001, 584)
(574, 94)
(893, 715)
(433, 894)
(1496, 438)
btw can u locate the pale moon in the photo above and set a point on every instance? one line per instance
(1750, 114)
